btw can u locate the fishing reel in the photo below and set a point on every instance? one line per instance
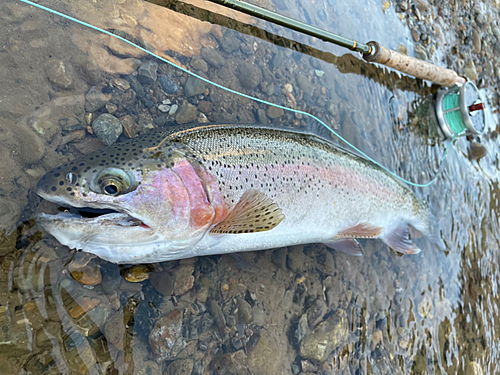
(460, 110)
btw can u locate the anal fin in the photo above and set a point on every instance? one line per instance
(348, 246)
(399, 240)
(361, 230)
(254, 212)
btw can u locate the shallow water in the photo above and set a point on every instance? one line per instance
(435, 312)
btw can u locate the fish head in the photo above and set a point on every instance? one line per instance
(132, 204)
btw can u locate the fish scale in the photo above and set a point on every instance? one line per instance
(320, 192)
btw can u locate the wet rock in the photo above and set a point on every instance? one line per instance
(57, 73)
(277, 59)
(470, 70)
(476, 151)
(184, 279)
(278, 257)
(130, 127)
(173, 109)
(84, 269)
(194, 86)
(229, 42)
(163, 282)
(83, 307)
(31, 148)
(308, 366)
(274, 112)
(212, 57)
(296, 258)
(216, 312)
(316, 312)
(13, 334)
(115, 330)
(202, 289)
(180, 367)
(166, 337)
(420, 52)
(160, 120)
(261, 116)
(302, 328)
(205, 106)
(164, 108)
(168, 85)
(249, 75)
(95, 99)
(476, 41)
(186, 113)
(326, 337)
(199, 64)
(107, 128)
(263, 359)
(111, 108)
(137, 273)
(146, 74)
(231, 363)
(304, 84)
(123, 49)
(120, 83)
(244, 311)
(415, 34)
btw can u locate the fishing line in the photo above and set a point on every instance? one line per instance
(247, 96)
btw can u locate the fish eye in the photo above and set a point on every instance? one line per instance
(113, 181)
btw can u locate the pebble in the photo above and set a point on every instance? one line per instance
(199, 64)
(296, 259)
(95, 99)
(278, 257)
(120, 83)
(163, 282)
(274, 112)
(319, 73)
(167, 85)
(326, 337)
(164, 108)
(184, 279)
(302, 328)
(262, 117)
(205, 106)
(111, 108)
(107, 128)
(57, 73)
(130, 127)
(146, 74)
(187, 113)
(212, 57)
(304, 84)
(244, 311)
(173, 109)
(166, 337)
(470, 70)
(476, 151)
(137, 273)
(84, 269)
(180, 367)
(194, 86)
(160, 120)
(249, 75)
(277, 59)
(87, 304)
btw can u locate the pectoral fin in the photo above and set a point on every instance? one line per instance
(348, 246)
(361, 230)
(254, 212)
(399, 240)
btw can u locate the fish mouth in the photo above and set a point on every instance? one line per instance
(89, 216)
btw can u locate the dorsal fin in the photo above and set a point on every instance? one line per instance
(361, 230)
(254, 212)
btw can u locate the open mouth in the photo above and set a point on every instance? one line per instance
(91, 216)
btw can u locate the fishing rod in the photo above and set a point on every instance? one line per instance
(372, 51)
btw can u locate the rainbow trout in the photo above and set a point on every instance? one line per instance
(225, 188)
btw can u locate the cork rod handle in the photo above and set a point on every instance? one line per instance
(413, 66)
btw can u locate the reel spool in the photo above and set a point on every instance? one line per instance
(460, 111)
